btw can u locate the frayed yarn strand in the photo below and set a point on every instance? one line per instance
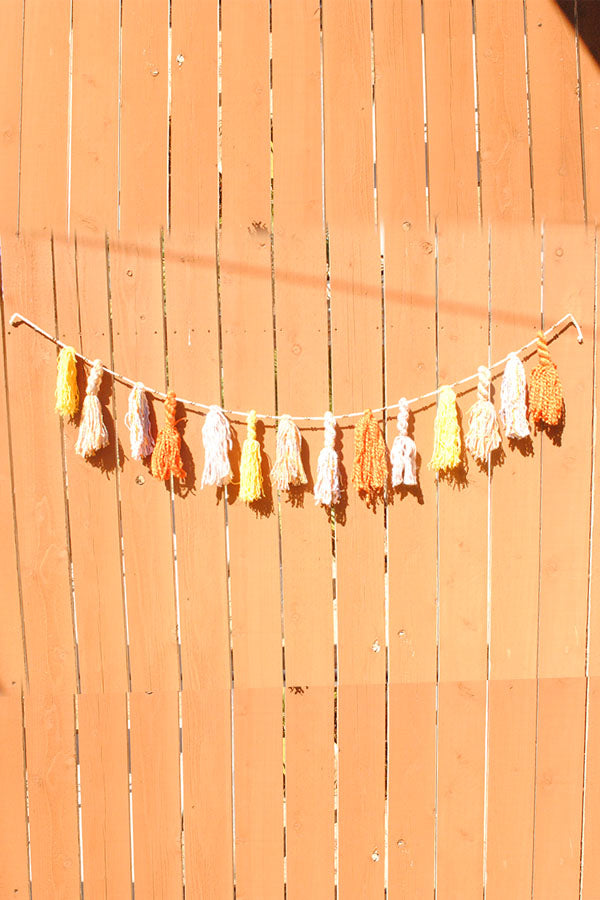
(327, 484)
(251, 480)
(545, 388)
(446, 433)
(513, 400)
(67, 392)
(137, 421)
(404, 450)
(93, 435)
(370, 467)
(216, 437)
(166, 456)
(288, 470)
(483, 434)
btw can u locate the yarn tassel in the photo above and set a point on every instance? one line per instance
(66, 393)
(404, 450)
(370, 467)
(93, 435)
(251, 481)
(483, 434)
(513, 399)
(545, 388)
(216, 437)
(446, 433)
(166, 456)
(327, 484)
(137, 421)
(288, 470)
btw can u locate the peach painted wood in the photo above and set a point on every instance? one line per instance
(568, 283)
(104, 774)
(463, 560)
(502, 95)
(590, 876)
(555, 129)
(515, 496)
(14, 867)
(451, 142)
(249, 380)
(302, 388)
(356, 323)
(11, 54)
(588, 25)
(44, 201)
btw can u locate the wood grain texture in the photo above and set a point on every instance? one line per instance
(11, 54)
(249, 381)
(515, 498)
(14, 863)
(588, 26)
(502, 98)
(463, 560)
(554, 111)
(357, 382)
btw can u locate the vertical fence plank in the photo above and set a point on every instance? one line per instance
(194, 367)
(568, 287)
(588, 26)
(11, 52)
(302, 388)
(14, 870)
(463, 558)
(453, 178)
(248, 374)
(45, 116)
(502, 101)
(357, 382)
(515, 271)
(555, 130)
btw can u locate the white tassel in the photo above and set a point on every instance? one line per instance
(137, 421)
(327, 484)
(404, 450)
(216, 437)
(93, 435)
(513, 399)
(288, 470)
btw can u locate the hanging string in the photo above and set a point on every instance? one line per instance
(17, 319)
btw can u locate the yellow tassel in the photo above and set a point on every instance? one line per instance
(446, 434)
(67, 393)
(251, 481)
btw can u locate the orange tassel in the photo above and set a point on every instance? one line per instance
(370, 469)
(166, 458)
(545, 389)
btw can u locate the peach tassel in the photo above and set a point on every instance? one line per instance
(545, 388)
(166, 457)
(370, 468)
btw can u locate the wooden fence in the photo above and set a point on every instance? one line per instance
(283, 204)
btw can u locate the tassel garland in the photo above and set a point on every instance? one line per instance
(137, 421)
(446, 433)
(513, 399)
(93, 435)
(166, 456)
(216, 437)
(327, 484)
(483, 435)
(288, 470)
(404, 450)
(370, 468)
(545, 388)
(251, 480)
(67, 393)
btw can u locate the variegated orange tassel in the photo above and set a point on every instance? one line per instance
(166, 456)
(370, 469)
(545, 389)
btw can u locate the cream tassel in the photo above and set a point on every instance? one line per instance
(137, 421)
(483, 435)
(513, 399)
(327, 485)
(288, 470)
(216, 437)
(404, 450)
(93, 435)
